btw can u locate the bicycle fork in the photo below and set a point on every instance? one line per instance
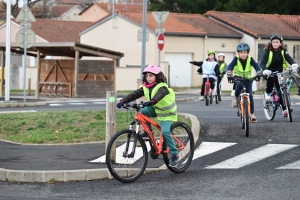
(242, 105)
(132, 151)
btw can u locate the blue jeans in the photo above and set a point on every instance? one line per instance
(238, 89)
(165, 128)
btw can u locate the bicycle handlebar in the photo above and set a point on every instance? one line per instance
(241, 79)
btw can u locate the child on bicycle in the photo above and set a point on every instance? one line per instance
(242, 66)
(209, 67)
(275, 58)
(222, 69)
(160, 103)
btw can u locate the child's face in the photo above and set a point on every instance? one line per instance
(276, 43)
(221, 58)
(150, 77)
(243, 54)
(211, 56)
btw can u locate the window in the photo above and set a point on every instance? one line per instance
(296, 53)
(260, 52)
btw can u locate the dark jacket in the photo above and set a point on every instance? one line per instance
(243, 62)
(277, 60)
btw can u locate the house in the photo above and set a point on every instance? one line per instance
(97, 11)
(187, 37)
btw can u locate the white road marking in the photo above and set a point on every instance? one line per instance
(77, 103)
(55, 104)
(293, 165)
(252, 156)
(120, 159)
(98, 102)
(206, 148)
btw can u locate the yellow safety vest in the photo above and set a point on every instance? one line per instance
(285, 65)
(239, 71)
(166, 108)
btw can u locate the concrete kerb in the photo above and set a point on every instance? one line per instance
(83, 174)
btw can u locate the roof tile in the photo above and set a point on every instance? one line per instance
(258, 25)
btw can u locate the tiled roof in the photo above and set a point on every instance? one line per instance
(291, 20)
(74, 2)
(121, 7)
(257, 25)
(59, 10)
(186, 24)
(59, 31)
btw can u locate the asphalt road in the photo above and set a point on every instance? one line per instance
(227, 164)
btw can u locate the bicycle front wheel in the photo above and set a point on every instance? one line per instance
(287, 103)
(246, 117)
(269, 108)
(183, 136)
(123, 162)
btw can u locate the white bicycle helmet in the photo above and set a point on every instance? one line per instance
(221, 54)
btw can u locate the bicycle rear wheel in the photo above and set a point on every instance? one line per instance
(206, 94)
(269, 108)
(287, 101)
(183, 133)
(246, 116)
(210, 98)
(122, 165)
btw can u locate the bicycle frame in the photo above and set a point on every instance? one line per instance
(141, 119)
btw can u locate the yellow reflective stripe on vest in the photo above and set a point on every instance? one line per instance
(166, 114)
(285, 65)
(239, 71)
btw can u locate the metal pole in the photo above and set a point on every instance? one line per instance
(7, 52)
(144, 36)
(25, 53)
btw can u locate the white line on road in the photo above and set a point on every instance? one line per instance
(120, 159)
(252, 156)
(206, 148)
(18, 111)
(293, 165)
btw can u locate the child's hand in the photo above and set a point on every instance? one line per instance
(120, 104)
(148, 103)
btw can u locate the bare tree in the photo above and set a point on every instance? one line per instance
(15, 8)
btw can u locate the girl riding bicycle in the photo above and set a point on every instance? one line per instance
(275, 58)
(242, 66)
(209, 66)
(160, 103)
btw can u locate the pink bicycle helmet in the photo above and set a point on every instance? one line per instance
(154, 69)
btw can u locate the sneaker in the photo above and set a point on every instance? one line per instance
(201, 98)
(174, 160)
(253, 118)
(267, 96)
(232, 93)
(285, 113)
(219, 98)
(234, 102)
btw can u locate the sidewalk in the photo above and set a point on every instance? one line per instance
(68, 162)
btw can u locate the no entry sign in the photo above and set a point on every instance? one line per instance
(161, 41)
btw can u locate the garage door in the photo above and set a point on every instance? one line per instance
(180, 69)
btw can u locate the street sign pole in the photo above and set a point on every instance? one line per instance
(24, 56)
(7, 52)
(144, 37)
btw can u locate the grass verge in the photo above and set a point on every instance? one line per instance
(54, 127)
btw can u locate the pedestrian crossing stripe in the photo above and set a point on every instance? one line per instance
(206, 148)
(294, 165)
(252, 156)
(122, 160)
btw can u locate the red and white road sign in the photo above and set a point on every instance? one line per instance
(161, 41)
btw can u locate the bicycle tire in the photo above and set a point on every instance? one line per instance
(185, 135)
(287, 104)
(206, 94)
(217, 101)
(210, 98)
(126, 169)
(269, 108)
(246, 116)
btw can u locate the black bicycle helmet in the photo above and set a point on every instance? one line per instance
(276, 36)
(243, 47)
